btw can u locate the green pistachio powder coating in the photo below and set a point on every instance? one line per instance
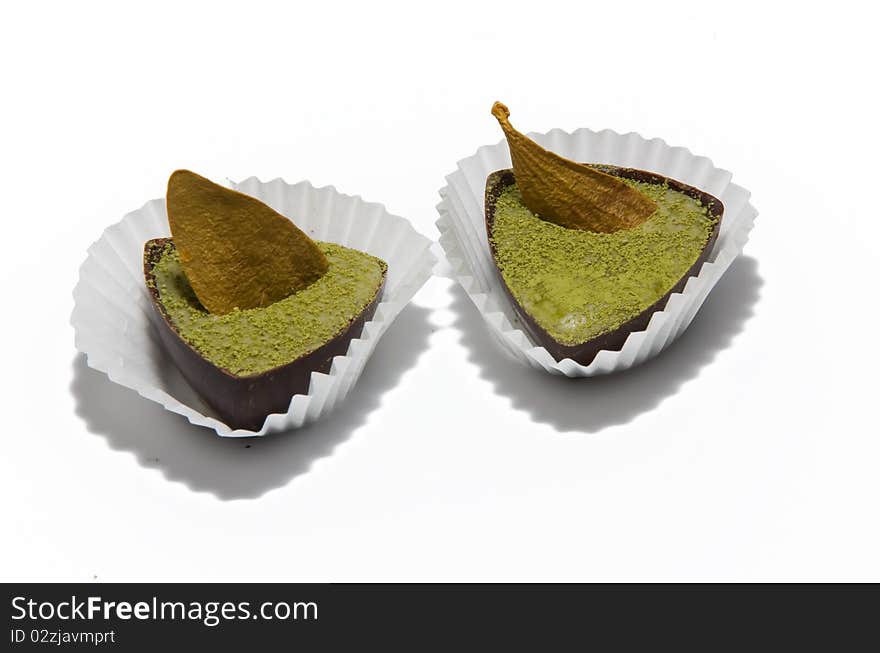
(256, 340)
(578, 285)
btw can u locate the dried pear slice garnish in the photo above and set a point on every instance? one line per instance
(235, 251)
(570, 194)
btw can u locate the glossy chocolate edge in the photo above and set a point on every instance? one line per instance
(244, 402)
(585, 352)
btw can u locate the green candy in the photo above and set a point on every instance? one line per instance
(577, 284)
(253, 341)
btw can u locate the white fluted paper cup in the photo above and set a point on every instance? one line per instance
(113, 315)
(463, 240)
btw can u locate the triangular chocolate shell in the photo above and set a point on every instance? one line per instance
(613, 340)
(244, 401)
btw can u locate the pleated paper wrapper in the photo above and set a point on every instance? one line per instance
(463, 239)
(113, 315)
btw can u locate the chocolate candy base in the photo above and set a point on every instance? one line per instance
(243, 402)
(585, 352)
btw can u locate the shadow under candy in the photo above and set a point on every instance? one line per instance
(241, 468)
(591, 404)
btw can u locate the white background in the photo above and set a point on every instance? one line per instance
(749, 450)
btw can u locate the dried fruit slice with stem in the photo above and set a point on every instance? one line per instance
(567, 193)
